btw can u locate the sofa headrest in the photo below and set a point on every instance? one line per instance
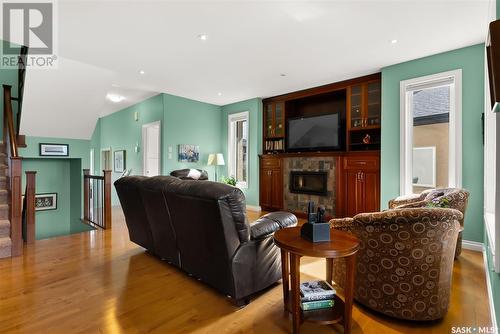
(190, 174)
(231, 198)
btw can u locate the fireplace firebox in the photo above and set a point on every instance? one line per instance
(305, 182)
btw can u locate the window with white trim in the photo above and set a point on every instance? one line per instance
(238, 148)
(431, 132)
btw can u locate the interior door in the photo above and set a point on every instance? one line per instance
(151, 153)
(106, 159)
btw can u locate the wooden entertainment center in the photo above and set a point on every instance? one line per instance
(352, 171)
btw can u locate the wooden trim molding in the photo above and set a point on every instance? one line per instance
(323, 89)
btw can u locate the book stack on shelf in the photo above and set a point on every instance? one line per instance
(274, 145)
(316, 295)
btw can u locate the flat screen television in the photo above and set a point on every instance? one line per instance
(316, 133)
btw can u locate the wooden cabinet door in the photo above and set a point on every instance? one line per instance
(265, 188)
(354, 193)
(276, 189)
(371, 190)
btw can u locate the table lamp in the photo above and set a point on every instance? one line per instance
(216, 159)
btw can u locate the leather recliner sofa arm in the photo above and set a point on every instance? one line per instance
(270, 223)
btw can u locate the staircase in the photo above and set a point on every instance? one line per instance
(5, 241)
(11, 210)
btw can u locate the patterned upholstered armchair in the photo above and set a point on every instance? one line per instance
(405, 261)
(453, 198)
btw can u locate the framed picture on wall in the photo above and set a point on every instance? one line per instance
(54, 150)
(119, 161)
(44, 202)
(189, 153)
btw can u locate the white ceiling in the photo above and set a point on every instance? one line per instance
(106, 43)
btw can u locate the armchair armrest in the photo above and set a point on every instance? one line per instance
(341, 223)
(405, 200)
(270, 223)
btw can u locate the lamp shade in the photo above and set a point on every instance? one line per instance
(216, 159)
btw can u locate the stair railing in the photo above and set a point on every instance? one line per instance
(14, 177)
(97, 199)
(21, 75)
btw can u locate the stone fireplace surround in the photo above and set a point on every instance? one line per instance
(298, 202)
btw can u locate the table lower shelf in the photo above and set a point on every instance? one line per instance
(324, 316)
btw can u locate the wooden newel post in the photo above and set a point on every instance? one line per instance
(86, 194)
(107, 199)
(16, 221)
(30, 206)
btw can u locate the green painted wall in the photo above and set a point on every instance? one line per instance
(119, 131)
(190, 122)
(184, 121)
(52, 176)
(254, 108)
(471, 61)
(62, 175)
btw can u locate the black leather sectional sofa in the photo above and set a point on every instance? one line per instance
(201, 227)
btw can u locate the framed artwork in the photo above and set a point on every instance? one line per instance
(54, 150)
(119, 161)
(424, 166)
(44, 202)
(189, 153)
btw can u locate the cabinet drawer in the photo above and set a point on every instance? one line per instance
(271, 162)
(361, 163)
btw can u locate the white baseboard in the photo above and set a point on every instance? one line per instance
(490, 292)
(254, 208)
(473, 245)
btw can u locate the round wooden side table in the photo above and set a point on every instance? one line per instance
(293, 247)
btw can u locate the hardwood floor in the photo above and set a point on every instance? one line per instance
(100, 282)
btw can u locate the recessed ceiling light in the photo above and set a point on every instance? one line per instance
(219, 93)
(115, 98)
(203, 37)
(394, 41)
(141, 72)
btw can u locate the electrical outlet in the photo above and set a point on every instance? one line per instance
(170, 149)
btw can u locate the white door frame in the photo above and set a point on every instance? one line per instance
(455, 130)
(144, 146)
(92, 161)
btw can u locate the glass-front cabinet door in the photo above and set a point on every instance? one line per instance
(365, 105)
(269, 115)
(274, 114)
(373, 112)
(279, 118)
(356, 112)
